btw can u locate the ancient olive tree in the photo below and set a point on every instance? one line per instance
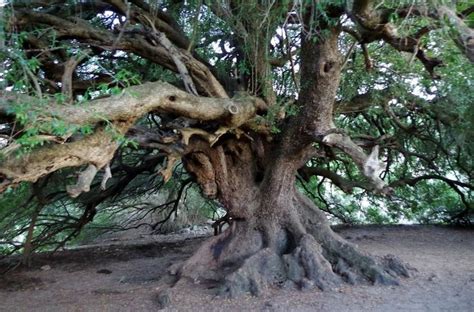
(251, 97)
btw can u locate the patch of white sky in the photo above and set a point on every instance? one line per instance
(217, 46)
(335, 197)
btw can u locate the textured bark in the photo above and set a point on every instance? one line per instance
(96, 149)
(278, 238)
(136, 101)
(464, 35)
(122, 111)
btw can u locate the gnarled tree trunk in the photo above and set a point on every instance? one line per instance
(277, 237)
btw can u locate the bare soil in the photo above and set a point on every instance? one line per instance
(127, 276)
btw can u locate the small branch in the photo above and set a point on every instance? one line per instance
(352, 32)
(292, 63)
(124, 26)
(83, 181)
(106, 177)
(175, 56)
(367, 59)
(175, 203)
(349, 53)
(28, 245)
(66, 80)
(167, 172)
(467, 11)
(187, 133)
(413, 181)
(346, 185)
(34, 79)
(395, 119)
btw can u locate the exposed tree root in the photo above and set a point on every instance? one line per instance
(239, 261)
(351, 264)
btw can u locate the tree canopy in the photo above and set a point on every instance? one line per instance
(271, 108)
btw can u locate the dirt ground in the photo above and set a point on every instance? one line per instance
(126, 277)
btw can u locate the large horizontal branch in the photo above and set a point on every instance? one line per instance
(96, 149)
(121, 111)
(135, 101)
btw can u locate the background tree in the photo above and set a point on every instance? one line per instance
(265, 102)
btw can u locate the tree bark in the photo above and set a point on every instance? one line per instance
(277, 236)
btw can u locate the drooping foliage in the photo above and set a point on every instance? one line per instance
(412, 100)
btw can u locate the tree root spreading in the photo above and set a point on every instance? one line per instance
(323, 263)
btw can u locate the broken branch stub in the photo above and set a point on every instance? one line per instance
(370, 165)
(83, 182)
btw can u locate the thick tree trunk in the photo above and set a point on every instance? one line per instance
(277, 237)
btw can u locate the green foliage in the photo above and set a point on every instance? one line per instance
(14, 214)
(39, 126)
(436, 115)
